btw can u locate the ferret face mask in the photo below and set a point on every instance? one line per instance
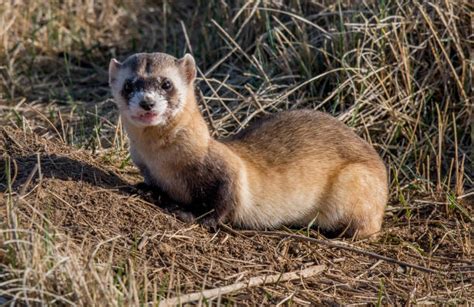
(151, 88)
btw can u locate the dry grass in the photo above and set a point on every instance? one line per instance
(398, 72)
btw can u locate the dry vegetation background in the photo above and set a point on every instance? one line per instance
(398, 72)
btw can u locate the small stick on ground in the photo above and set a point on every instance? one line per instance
(28, 180)
(351, 248)
(252, 282)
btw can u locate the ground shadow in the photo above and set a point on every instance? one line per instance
(22, 172)
(59, 167)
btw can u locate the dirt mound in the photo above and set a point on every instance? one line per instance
(88, 199)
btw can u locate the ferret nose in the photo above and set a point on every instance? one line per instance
(146, 105)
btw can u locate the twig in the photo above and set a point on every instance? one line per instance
(351, 248)
(186, 37)
(28, 180)
(252, 282)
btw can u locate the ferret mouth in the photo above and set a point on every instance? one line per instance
(147, 117)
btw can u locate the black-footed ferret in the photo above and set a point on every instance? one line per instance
(292, 168)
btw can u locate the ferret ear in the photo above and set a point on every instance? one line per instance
(188, 66)
(114, 67)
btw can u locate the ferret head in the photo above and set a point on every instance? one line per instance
(151, 88)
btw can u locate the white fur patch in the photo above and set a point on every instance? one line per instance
(131, 109)
(159, 108)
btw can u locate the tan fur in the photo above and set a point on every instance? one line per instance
(166, 150)
(294, 168)
(333, 177)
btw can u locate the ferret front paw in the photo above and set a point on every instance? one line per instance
(209, 221)
(142, 187)
(139, 188)
(184, 216)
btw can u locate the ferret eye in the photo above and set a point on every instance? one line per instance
(166, 85)
(127, 87)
